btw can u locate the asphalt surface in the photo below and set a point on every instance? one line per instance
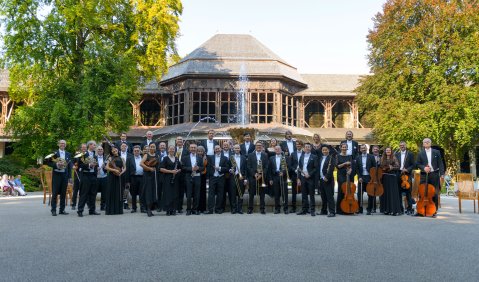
(132, 247)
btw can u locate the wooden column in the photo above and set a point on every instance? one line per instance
(188, 117)
(136, 112)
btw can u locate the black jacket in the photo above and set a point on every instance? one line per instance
(144, 143)
(312, 166)
(83, 163)
(186, 164)
(204, 143)
(68, 159)
(243, 165)
(224, 165)
(328, 167)
(285, 149)
(252, 164)
(436, 161)
(370, 162)
(294, 162)
(251, 149)
(130, 147)
(409, 160)
(272, 167)
(356, 150)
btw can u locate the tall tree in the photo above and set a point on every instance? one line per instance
(75, 64)
(424, 57)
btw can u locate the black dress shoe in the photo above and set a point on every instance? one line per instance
(180, 211)
(239, 212)
(74, 208)
(63, 213)
(142, 211)
(219, 212)
(323, 213)
(293, 210)
(313, 213)
(150, 214)
(94, 213)
(368, 213)
(80, 214)
(276, 212)
(208, 212)
(434, 215)
(286, 212)
(302, 213)
(126, 207)
(263, 212)
(188, 212)
(250, 211)
(331, 215)
(54, 213)
(168, 213)
(133, 211)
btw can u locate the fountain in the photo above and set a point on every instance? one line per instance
(241, 96)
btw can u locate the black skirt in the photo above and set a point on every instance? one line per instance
(114, 196)
(392, 199)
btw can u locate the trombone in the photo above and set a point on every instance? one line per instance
(284, 167)
(288, 180)
(233, 171)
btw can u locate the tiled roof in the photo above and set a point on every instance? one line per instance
(330, 84)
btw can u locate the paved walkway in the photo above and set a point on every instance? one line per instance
(132, 247)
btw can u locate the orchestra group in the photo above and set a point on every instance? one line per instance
(159, 177)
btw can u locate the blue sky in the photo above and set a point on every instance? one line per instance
(314, 36)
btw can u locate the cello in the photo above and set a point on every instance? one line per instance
(375, 187)
(425, 206)
(349, 204)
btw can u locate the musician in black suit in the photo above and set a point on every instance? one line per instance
(61, 162)
(326, 182)
(227, 191)
(218, 165)
(353, 146)
(278, 166)
(429, 161)
(125, 177)
(407, 164)
(308, 166)
(161, 153)
(192, 165)
(77, 177)
(377, 163)
(102, 177)
(180, 153)
(209, 144)
(247, 147)
(294, 162)
(257, 177)
(288, 146)
(149, 139)
(123, 141)
(364, 162)
(89, 165)
(238, 176)
(135, 179)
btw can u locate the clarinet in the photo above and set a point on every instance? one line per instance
(172, 180)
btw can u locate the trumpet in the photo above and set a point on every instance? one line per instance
(235, 167)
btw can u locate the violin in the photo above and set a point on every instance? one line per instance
(405, 182)
(349, 204)
(425, 206)
(375, 187)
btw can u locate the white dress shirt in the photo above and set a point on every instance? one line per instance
(210, 150)
(278, 163)
(217, 164)
(350, 147)
(290, 146)
(364, 161)
(305, 162)
(403, 158)
(101, 172)
(429, 158)
(323, 159)
(193, 164)
(238, 163)
(246, 145)
(123, 155)
(138, 168)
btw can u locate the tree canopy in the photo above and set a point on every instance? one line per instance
(75, 65)
(424, 60)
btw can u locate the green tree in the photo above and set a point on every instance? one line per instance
(424, 57)
(75, 65)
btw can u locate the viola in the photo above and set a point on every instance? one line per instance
(375, 187)
(405, 182)
(349, 204)
(425, 206)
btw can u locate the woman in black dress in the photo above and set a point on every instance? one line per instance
(344, 164)
(270, 150)
(170, 167)
(317, 146)
(149, 163)
(390, 166)
(114, 197)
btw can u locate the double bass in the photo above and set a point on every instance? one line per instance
(349, 204)
(425, 206)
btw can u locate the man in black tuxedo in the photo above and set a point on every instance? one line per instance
(327, 164)
(89, 165)
(161, 153)
(257, 177)
(364, 162)
(125, 177)
(218, 165)
(123, 141)
(209, 144)
(60, 176)
(101, 178)
(247, 147)
(180, 153)
(429, 161)
(149, 139)
(353, 147)
(308, 165)
(288, 146)
(277, 178)
(238, 176)
(295, 157)
(407, 164)
(77, 176)
(135, 179)
(227, 191)
(192, 165)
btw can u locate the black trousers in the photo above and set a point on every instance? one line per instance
(102, 185)
(227, 192)
(76, 187)
(123, 189)
(294, 189)
(216, 189)
(237, 193)
(181, 191)
(253, 190)
(362, 186)
(159, 191)
(326, 189)
(308, 188)
(407, 193)
(136, 189)
(193, 191)
(433, 179)
(88, 191)
(59, 187)
(280, 189)
(203, 197)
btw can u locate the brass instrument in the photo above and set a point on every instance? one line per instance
(234, 168)
(90, 161)
(60, 162)
(260, 171)
(285, 167)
